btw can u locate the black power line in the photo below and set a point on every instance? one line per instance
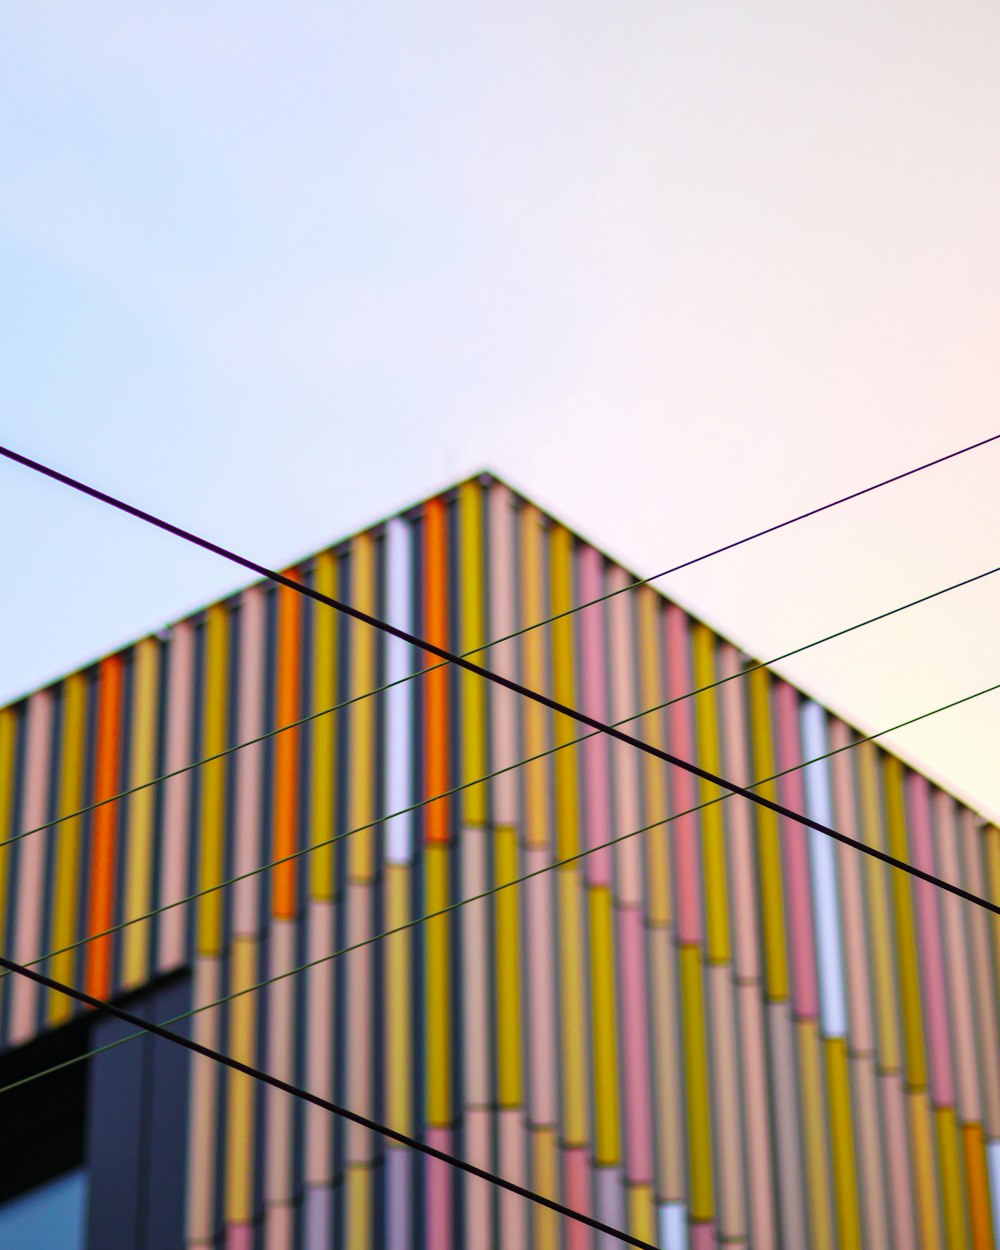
(477, 670)
(344, 1112)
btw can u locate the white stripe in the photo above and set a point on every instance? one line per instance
(823, 869)
(399, 700)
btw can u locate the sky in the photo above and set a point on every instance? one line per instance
(676, 272)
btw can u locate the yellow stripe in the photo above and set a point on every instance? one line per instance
(67, 895)
(949, 1153)
(817, 1163)
(561, 573)
(361, 847)
(906, 935)
(924, 1172)
(139, 865)
(474, 800)
(536, 737)
(324, 730)
(574, 1021)
(699, 1122)
(642, 1212)
(842, 1139)
(768, 844)
(508, 949)
(437, 958)
(607, 1126)
(213, 781)
(713, 832)
(240, 1094)
(358, 1200)
(545, 1176)
(650, 616)
(876, 887)
(398, 989)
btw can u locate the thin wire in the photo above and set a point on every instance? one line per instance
(475, 898)
(271, 733)
(477, 670)
(482, 780)
(157, 1030)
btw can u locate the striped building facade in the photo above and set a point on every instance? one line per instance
(723, 1030)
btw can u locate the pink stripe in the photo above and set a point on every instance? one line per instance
(503, 659)
(805, 988)
(746, 958)
(576, 1166)
(635, 1044)
(439, 1198)
(856, 964)
(246, 918)
(689, 921)
(897, 1157)
(239, 1237)
(29, 891)
(758, 1116)
(702, 1237)
(596, 768)
(931, 947)
(511, 1160)
(958, 980)
(623, 653)
(176, 794)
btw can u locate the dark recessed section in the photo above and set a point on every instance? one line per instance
(44, 1120)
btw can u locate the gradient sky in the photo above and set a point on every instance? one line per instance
(675, 271)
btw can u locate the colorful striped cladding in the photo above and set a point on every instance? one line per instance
(727, 1029)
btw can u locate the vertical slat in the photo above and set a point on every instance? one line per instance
(68, 900)
(214, 738)
(176, 797)
(830, 955)
(30, 881)
(747, 966)
(399, 786)
(242, 1101)
(718, 951)
(142, 807)
(539, 907)
(510, 1020)
(690, 937)
(288, 709)
(360, 968)
(437, 892)
(104, 838)
(571, 902)
(805, 989)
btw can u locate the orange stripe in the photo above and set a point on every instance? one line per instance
(436, 630)
(105, 826)
(978, 1186)
(286, 745)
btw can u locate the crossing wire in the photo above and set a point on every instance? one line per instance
(197, 1048)
(304, 720)
(484, 894)
(465, 785)
(536, 696)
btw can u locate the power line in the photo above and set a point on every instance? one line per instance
(197, 1048)
(481, 780)
(304, 720)
(474, 898)
(554, 705)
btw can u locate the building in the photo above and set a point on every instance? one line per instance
(726, 1029)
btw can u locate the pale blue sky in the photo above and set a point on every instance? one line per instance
(677, 271)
